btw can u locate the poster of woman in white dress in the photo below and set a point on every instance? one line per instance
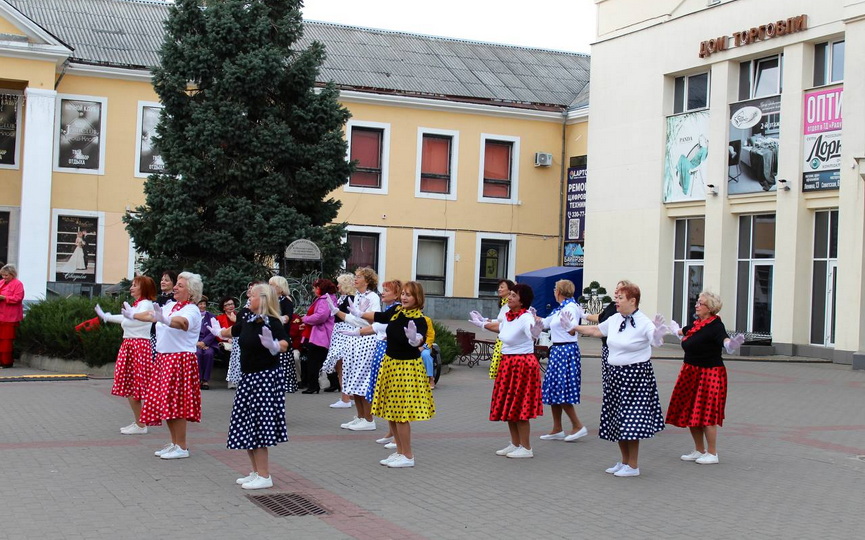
(687, 147)
(76, 249)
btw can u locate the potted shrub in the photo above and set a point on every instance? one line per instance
(593, 287)
(606, 301)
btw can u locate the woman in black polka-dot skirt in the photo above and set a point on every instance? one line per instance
(258, 415)
(631, 409)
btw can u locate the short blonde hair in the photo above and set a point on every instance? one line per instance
(712, 301)
(345, 284)
(280, 284)
(194, 284)
(565, 287)
(9, 269)
(267, 305)
(369, 275)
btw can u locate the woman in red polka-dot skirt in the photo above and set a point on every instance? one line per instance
(175, 394)
(517, 390)
(700, 394)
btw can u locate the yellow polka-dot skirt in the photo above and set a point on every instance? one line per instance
(402, 392)
(497, 357)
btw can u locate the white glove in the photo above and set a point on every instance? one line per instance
(658, 321)
(414, 339)
(658, 335)
(349, 332)
(477, 319)
(101, 314)
(675, 329)
(533, 311)
(477, 315)
(215, 329)
(333, 309)
(537, 328)
(268, 342)
(566, 320)
(733, 344)
(353, 309)
(160, 316)
(127, 311)
(363, 304)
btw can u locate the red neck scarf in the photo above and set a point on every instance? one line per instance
(178, 306)
(513, 315)
(699, 323)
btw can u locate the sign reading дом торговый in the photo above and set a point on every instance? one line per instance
(821, 168)
(755, 34)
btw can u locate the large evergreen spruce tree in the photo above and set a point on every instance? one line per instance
(252, 151)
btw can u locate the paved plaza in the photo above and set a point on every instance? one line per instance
(791, 451)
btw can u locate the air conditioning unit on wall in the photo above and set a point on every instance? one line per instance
(542, 159)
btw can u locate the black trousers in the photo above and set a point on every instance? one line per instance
(315, 357)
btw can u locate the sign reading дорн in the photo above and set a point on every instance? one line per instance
(754, 34)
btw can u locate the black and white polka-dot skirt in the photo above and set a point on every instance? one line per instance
(258, 415)
(631, 409)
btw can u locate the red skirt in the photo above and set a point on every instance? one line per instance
(699, 397)
(7, 338)
(517, 390)
(174, 391)
(133, 368)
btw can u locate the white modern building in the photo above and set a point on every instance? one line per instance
(727, 152)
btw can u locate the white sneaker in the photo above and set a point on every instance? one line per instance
(401, 461)
(578, 435)
(389, 458)
(560, 436)
(232, 386)
(615, 468)
(390, 445)
(164, 450)
(626, 470)
(340, 404)
(260, 482)
(506, 450)
(384, 440)
(176, 453)
(252, 476)
(520, 452)
(134, 429)
(125, 428)
(348, 425)
(707, 459)
(363, 424)
(693, 456)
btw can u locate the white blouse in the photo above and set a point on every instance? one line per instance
(174, 340)
(134, 329)
(553, 322)
(516, 335)
(633, 344)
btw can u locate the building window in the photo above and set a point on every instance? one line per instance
(366, 149)
(499, 169)
(5, 229)
(824, 278)
(435, 175)
(431, 268)
(761, 77)
(828, 62)
(756, 262)
(691, 93)
(688, 267)
(364, 250)
(493, 265)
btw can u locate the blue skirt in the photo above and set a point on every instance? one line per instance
(258, 415)
(377, 356)
(631, 409)
(562, 379)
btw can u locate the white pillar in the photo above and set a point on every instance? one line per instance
(35, 231)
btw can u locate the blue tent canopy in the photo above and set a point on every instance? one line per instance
(543, 282)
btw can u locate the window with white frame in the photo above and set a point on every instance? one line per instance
(10, 128)
(434, 261)
(494, 258)
(499, 168)
(756, 265)
(761, 77)
(824, 278)
(828, 62)
(368, 147)
(691, 93)
(437, 158)
(364, 250)
(688, 267)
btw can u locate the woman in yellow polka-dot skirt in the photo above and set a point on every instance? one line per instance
(402, 392)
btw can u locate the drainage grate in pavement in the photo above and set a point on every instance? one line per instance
(289, 504)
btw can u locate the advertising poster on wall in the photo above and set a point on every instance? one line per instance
(575, 205)
(752, 153)
(685, 157)
(573, 254)
(822, 132)
(80, 131)
(149, 158)
(10, 111)
(76, 249)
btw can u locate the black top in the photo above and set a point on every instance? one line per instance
(286, 307)
(703, 348)
(163, 298)
(343, 305)
(607, 312)
(254, 357)
(398, 346)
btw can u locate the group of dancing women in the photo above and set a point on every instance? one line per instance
(631, 409)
